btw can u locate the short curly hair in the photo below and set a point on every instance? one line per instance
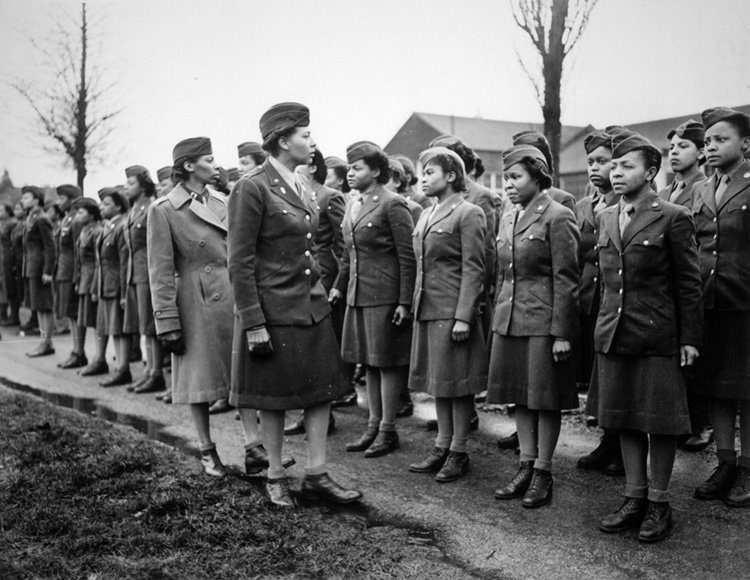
(379, 160)
(537, 170)
(449, 165)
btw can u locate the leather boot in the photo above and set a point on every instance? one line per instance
(364, 441)
(629, 515)
(297, 426)
(599, 458)
(256, 460)
(456, 466)
(434, 462)
(657, 524)
(152, 385)
(277, 491)
(385, 442)
(122, 377)
(74, 361)
(323, 487)
(509, 442)
(739, 495)
(699, 441)
(718, 484)
(540, 489)
(519, 484)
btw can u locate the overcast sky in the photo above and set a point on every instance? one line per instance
(185, 68)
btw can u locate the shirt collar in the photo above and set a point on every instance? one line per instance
(286, 175)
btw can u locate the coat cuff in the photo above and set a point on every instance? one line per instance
(251, 316)
(167, 320)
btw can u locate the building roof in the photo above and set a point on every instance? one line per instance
(489, 134)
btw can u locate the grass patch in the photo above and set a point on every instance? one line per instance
(82, 498)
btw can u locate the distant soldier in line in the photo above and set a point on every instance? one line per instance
(16, 238)
(110, 284)
(89, 218)
(251, 155)
(139, 313)
(686, 158)
(721, 209)
(598, 145)
(336, 169)
(410, 192)
(66, 299)
(164, 183)
(39, 266)
(10, 306)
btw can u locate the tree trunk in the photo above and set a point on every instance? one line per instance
(552, 68)
(82, 105)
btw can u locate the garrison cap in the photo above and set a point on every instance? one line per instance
(248, 148)
(737, 119)
(445, 141)
(37, 192)
(692, 130)
(429, 154)
(396, 166)
(361, 149)
(116, 196)
(332, 161)
(87, 203)
(69, 190)
(627, 141)
(597, 139)
(192, 147)
(406, 162)
(134, 170)
(517, 152)
(615, 129)
(535, 139)
(163, 173)
(233, 174)
(284, 115)
(107, 191)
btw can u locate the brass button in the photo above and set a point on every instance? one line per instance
(208, 268)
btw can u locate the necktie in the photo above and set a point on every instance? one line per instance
(676, 190)
(625, 216)
(721, 189)
(601, 205)
(356, 207)
(432, 214)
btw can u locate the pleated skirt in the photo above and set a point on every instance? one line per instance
(523, 372)
(443, 367)
(371, 338)
(304, 370)
(642, 393)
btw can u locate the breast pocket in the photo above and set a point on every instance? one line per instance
(649, 240)
(538, 234)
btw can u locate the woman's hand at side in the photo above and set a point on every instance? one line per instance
(259, 342)
(561, 350)
(460, 331)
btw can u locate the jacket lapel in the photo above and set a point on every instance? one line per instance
(650, 211)
(371, 203)
(610, 221)
(533, 212)
(740, 181)
(282, 189)
(708, 193)
(204, 212)
(444, 210)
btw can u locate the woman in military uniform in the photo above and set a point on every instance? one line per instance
(649, 326)
(139, 313)
(378, 276)
(285, 350)
(448, 354)
(535, 320)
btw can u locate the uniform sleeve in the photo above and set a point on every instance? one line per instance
(97, 285)
(342, 278)
(687, 279)
(402, 226)
(564, 241)
(124, 253)
(161, 270)
(245, 218)
(48, 244)
(336, 211)
(485, 201)
(473, 233)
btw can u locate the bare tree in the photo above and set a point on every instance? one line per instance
(68, 103)
(554, 27)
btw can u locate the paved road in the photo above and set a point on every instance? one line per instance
(479, 537)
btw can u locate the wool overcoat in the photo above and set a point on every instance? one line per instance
(190, 290)
(38, 245)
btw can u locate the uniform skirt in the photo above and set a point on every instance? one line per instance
(87, 311)
(304, 370)
(38, 296)
(723, 370)
(371, 338)
(642, 393)
(139, 312)
(443, 367)
(109, 317)
(523, 372)
(66, 300)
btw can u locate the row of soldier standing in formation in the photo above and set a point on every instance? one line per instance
(262, 296)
